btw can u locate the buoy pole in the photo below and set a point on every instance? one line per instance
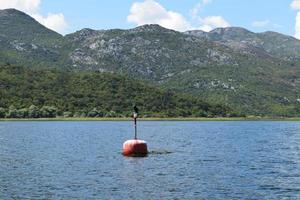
(135, 147)
(135, 126)
(135, 116)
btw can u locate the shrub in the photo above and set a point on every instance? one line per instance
(2, 112)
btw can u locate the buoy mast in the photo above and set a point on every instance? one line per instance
(135, 147)
(135, 116)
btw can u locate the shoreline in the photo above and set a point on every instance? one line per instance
(155, 119)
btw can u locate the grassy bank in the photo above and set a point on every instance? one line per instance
(157, 119)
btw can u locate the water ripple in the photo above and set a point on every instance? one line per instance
(187, 160)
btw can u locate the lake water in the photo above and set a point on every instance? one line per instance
(188, 160)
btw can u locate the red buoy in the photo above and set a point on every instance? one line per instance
(135, 148)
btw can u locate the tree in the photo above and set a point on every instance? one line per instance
(2, 112)
(68, 114)
(12, 112)
(48, 111)
(112, 114)
(22, 113)
(33, 112)
(93, 113)
(93, 95)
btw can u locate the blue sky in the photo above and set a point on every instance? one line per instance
(67, 16)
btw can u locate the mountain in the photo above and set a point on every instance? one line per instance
(92, 94)
(247, 78)
(150, 52)
(16, 25)
(24, 40)
(255, 73)
(268, 43)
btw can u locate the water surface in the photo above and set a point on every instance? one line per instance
(188, 160)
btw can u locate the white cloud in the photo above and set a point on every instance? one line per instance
(260, 24)
(297, 26)
(55, 22)
(206, 28)
(198, 7)
(211, 22)
(295, 4)
(151, 12)
(23, 5)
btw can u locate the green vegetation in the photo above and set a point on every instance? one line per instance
(24, 41)
(252, 73)
(29, 93)
(250, 118)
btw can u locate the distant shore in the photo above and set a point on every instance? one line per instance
(156, 119)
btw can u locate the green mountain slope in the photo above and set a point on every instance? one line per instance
(256, 73)
(150, 52)
(268, 43)
(247, 78)
(16, 25)
(103, 93)
(24, 40)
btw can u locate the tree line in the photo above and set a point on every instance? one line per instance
(33, 93)
(51, 112)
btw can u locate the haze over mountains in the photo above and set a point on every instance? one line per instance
(257, 73)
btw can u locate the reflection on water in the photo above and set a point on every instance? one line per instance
(159, 152)
(187, 160)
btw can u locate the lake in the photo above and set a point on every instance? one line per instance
(187, 160)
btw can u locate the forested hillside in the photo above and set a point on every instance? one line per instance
(253, 73)
(48, 93)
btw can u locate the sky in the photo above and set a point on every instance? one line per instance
(67, 16)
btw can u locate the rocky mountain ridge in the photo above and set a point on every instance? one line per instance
(258, 73)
